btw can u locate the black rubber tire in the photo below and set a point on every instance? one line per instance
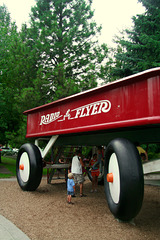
(35, 167)
(131, 179)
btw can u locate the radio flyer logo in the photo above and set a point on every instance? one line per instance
(90, 109)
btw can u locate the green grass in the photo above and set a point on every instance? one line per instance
(10, 164)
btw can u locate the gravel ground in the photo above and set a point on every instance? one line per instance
(45, 214)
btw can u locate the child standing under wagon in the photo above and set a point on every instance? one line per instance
(70, 188)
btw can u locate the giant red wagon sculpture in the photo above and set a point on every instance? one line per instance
(115, 115)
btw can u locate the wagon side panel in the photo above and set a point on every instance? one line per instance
(123, 104)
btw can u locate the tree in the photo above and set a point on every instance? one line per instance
(141, 50)
(56, 56)
(63, 32)
(20, 85)
(7, 116)
(14, 77)
(3, 125)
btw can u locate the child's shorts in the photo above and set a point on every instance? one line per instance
(95, 174)
(70, 193)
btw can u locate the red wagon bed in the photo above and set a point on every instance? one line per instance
(133, 101)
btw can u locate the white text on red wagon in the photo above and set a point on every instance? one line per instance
(91, 109)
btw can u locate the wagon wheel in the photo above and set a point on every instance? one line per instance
(123, 179)
(29, 167)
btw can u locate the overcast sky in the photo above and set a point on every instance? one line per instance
(114, 15)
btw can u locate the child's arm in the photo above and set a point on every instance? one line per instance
(90, 166)
(95, 164)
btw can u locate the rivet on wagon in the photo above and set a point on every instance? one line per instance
(110, 177)
(21, 167)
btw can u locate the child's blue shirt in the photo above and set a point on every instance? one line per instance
(70, 184)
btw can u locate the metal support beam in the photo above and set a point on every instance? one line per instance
(48, 146)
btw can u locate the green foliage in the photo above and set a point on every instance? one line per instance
(63, 34)
(17, 73)
(2, 108)
(141, 50)
(153, 150)
(8, 118)
(55, 57)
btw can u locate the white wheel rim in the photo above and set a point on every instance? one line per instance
(114, 186)
(24, 174)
